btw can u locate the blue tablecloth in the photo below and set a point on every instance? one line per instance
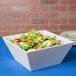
(10, 67)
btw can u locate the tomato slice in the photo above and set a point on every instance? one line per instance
(40, 35)
(29, 40)
(37, 47)
(18, 40)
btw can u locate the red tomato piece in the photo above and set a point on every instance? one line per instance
(40, 35)
(37, 47)
(29, 40)
(18, 40)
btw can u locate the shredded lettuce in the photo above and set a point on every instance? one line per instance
(34, 39)
(25, 47)
(23, 37)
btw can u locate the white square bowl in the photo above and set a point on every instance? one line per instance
(38, 59)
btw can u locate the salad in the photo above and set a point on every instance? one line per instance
(35, 41)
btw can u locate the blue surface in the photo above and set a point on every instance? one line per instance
(9, 67)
